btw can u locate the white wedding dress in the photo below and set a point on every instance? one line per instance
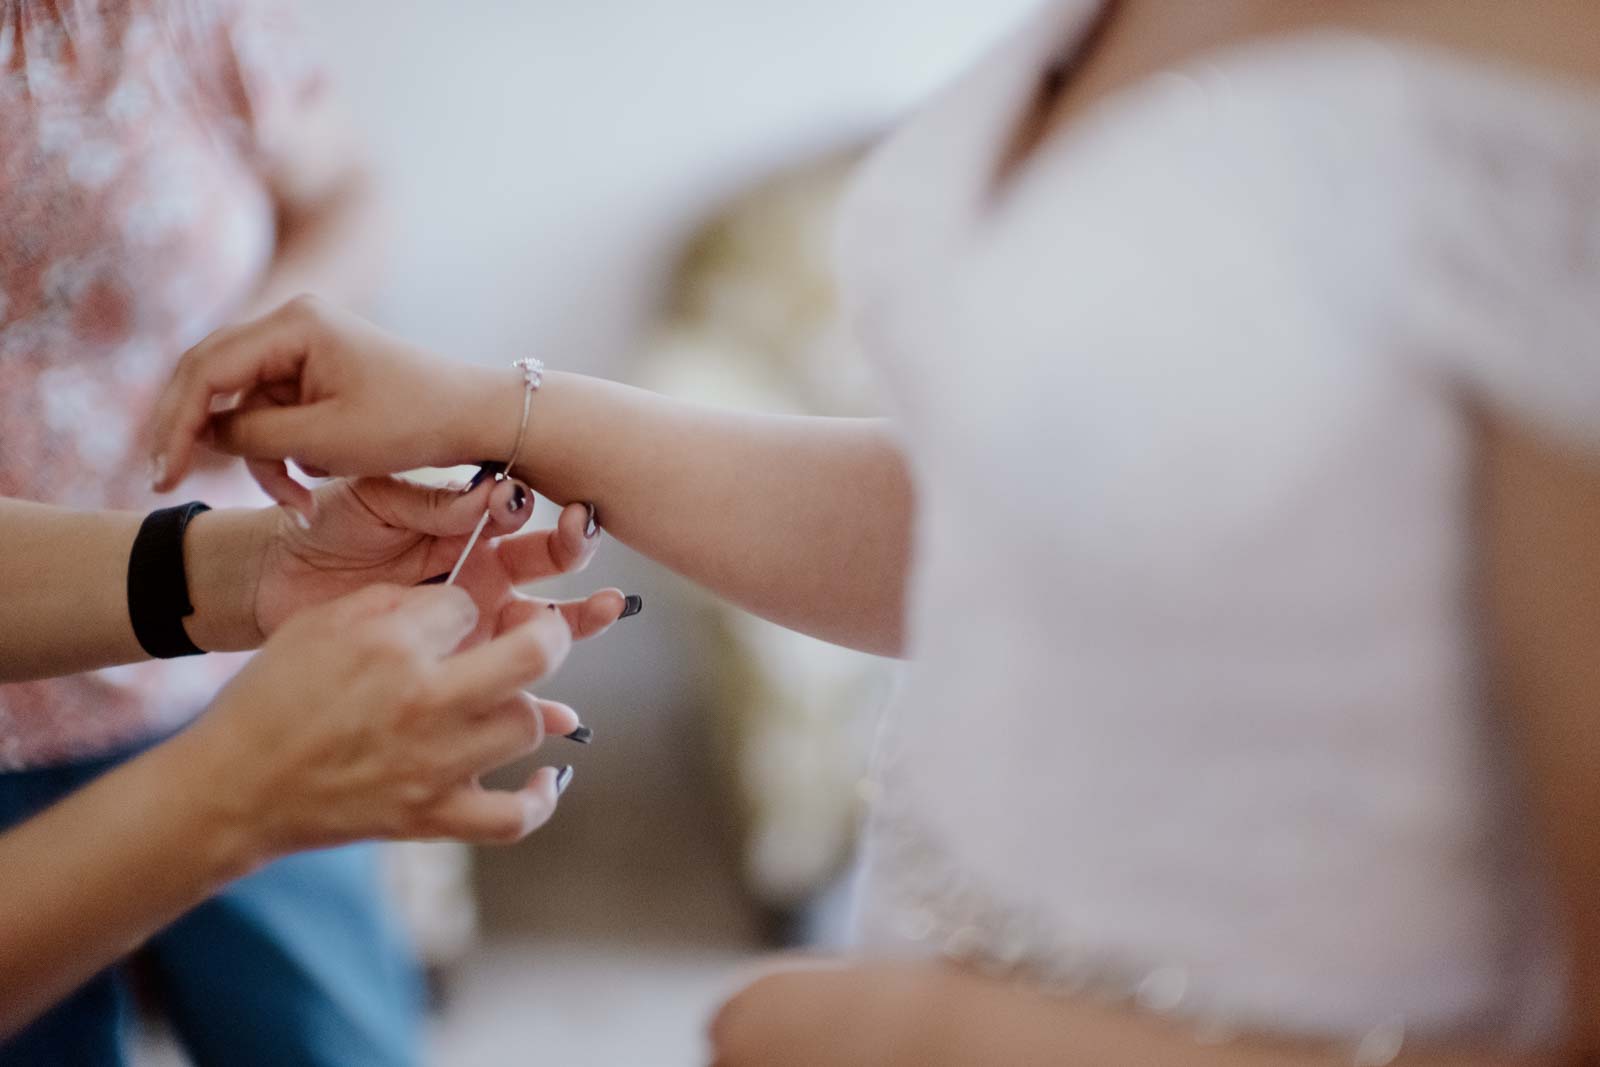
(1195, 715)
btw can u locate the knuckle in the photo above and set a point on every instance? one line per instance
(416, 793)
(506, 826)
(377, 643)
(188, 364)
(303, 306)
(531, 720)
(535, 650)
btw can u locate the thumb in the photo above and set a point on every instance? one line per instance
(445, 511)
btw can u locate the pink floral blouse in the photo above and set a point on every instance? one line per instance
(135, 137)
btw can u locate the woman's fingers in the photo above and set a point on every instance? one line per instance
(585, 618)
(232, 360)
(560, 720)
(433, 620)
(514, 658)
(268, 431)
(509, 731)
(444, 511)
(566, 548)
(489, 816)
(273, 476)
(510, 506)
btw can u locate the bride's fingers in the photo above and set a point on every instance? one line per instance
(231, 360)
(588, 617)
(544, 553)
(275, 480)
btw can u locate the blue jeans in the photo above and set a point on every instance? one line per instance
(297, 964)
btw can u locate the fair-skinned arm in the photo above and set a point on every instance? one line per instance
(805, 521)
(930, 1015)
(368, 714)
(356, 721)
(63, 576)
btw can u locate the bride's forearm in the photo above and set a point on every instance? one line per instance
(805, 521)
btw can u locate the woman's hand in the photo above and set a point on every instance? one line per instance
(332, 392)
(390, 530)
(358, 719)
(265, 567)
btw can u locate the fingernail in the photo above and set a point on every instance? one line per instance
(631, 605)
(551, 607)
(519, 499)
(563, 779)
(592, 526)
(583, 735)
(485, 470)
(300, 519)
(437, 579)
(158, 471)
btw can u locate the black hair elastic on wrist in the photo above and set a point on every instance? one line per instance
(158, 586)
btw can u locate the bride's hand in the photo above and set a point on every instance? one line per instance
(320, 386)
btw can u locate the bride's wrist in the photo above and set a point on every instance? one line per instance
(492, 415)
(488, 414)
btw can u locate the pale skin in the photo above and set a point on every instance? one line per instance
(371, 711)
(808, 521)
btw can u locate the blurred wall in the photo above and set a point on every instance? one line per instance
(544, 155)
(544, 159)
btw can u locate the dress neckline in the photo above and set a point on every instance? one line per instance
(1058, 47)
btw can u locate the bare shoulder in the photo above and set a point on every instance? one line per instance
(1558, 39)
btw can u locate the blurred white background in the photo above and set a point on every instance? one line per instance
(544, 161)
(545, 158)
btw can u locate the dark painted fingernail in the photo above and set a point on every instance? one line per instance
(592, 526)
(519, 499)
(563, 779)
(631, 605)
(485, 470)
(583, 735)
(437, 579)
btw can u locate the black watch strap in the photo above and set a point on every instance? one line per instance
(158, 587)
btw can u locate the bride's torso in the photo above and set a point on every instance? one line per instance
(1195, 715)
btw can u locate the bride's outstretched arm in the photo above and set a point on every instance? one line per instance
(803, 520)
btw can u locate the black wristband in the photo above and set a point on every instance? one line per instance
(158, 587)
